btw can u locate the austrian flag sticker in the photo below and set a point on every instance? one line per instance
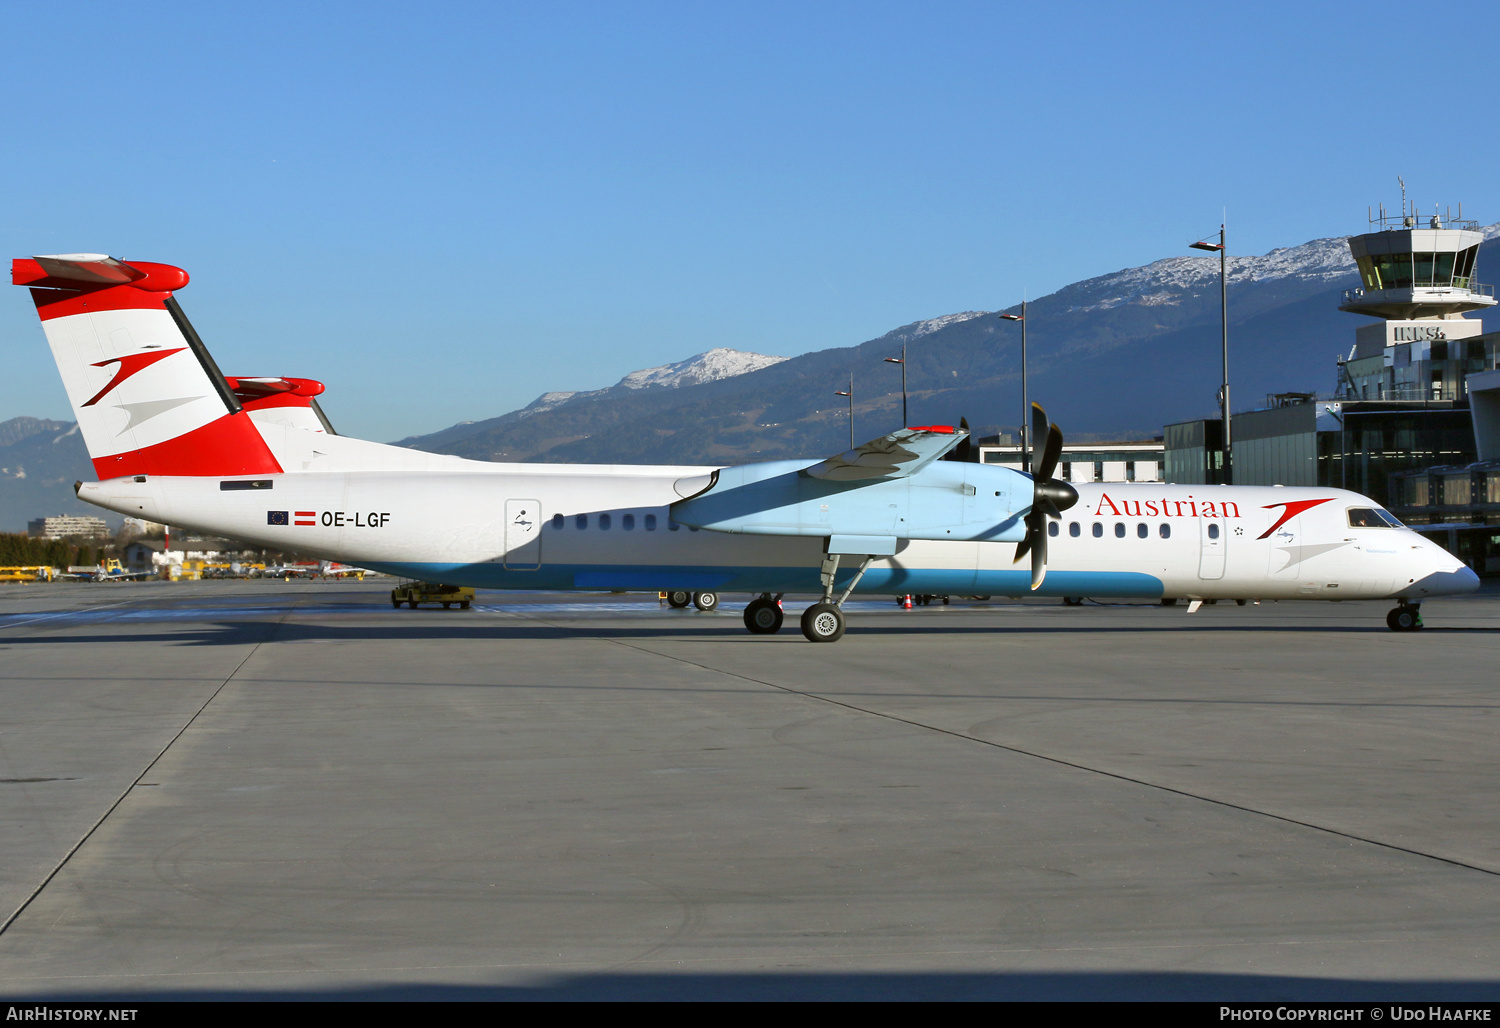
(310, 516)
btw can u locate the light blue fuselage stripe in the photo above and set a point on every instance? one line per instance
(892, 581)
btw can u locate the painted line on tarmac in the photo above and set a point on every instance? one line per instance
(21, 909)
(1074, 765)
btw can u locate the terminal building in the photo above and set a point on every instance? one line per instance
(1138, 461)
(1402, 402)
(63, 526)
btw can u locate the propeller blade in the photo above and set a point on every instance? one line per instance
(1039, 560)
(964, 450)
(1038, 434)
(1050, 455)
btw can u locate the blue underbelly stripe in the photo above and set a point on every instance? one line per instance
(893, 581)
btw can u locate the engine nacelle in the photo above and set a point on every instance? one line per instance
(944, 500)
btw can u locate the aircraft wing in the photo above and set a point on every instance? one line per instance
(897, 455)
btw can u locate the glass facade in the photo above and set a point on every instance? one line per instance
(1418, 270)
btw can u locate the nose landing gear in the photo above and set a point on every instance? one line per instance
(1405, 618)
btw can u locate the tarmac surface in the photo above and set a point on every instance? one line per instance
(290, 790)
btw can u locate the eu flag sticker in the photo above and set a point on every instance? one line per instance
(276, 517)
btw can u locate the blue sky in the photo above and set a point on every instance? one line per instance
(442, 210)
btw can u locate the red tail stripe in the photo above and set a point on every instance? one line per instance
(229, 446)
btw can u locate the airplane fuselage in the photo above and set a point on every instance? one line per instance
(560, 527)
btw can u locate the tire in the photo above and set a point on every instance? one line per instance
(823, 623)
(679, 598)
(706, 601)
(412, 604)
(1404, 619)
(396, 604)
(447, 606)
(764, 617)
(1072, 601)
(463, 604)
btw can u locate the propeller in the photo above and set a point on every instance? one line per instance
(964, 450)
(1051, 497)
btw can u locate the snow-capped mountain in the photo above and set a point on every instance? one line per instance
(1167, 281)
(709, 366)
(1111, 356)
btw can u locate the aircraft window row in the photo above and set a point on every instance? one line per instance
(1142, 530)
(1365, 517)
(604, 522)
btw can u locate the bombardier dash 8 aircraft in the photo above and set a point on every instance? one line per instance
(176, 441)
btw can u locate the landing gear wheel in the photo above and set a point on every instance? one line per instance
(1404, 619)
(764, 617)
(823, 623)
(1072, 601)
(706, 601)
(679, 598)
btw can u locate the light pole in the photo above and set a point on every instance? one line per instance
(1224, 325)
(849, 394)
(901, 360)
(1025, 396)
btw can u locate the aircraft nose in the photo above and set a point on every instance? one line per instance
(1447, 583)
(1468, 580)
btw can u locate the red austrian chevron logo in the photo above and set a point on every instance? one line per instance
(1293, 508)
(128, 366)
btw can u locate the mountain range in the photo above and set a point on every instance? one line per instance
(1111, 357)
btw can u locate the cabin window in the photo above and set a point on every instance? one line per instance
(1142, 531)
(558, 521)
(580, 521)
(1098, 529)
(628, 522)
(1119, 530)
(604, 522)
(1052, 528)
(1075, 531)
(1213, 530)
(650, 522)
(1165, 531)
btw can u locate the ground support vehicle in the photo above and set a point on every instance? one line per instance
(414, 593)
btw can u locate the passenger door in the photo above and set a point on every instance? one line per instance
(1211, 552)
(523, 535)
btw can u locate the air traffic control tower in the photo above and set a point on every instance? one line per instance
(1419, 278)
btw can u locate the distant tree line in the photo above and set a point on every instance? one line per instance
(20, 550)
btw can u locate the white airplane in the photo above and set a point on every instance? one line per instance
(175, 441)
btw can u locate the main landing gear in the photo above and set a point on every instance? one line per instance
(680, 598)
(763, 615)
(823, 622)
(1405, 618)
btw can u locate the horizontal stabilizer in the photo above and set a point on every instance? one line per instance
(896, 455)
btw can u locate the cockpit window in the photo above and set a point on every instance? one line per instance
(1366, 517)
